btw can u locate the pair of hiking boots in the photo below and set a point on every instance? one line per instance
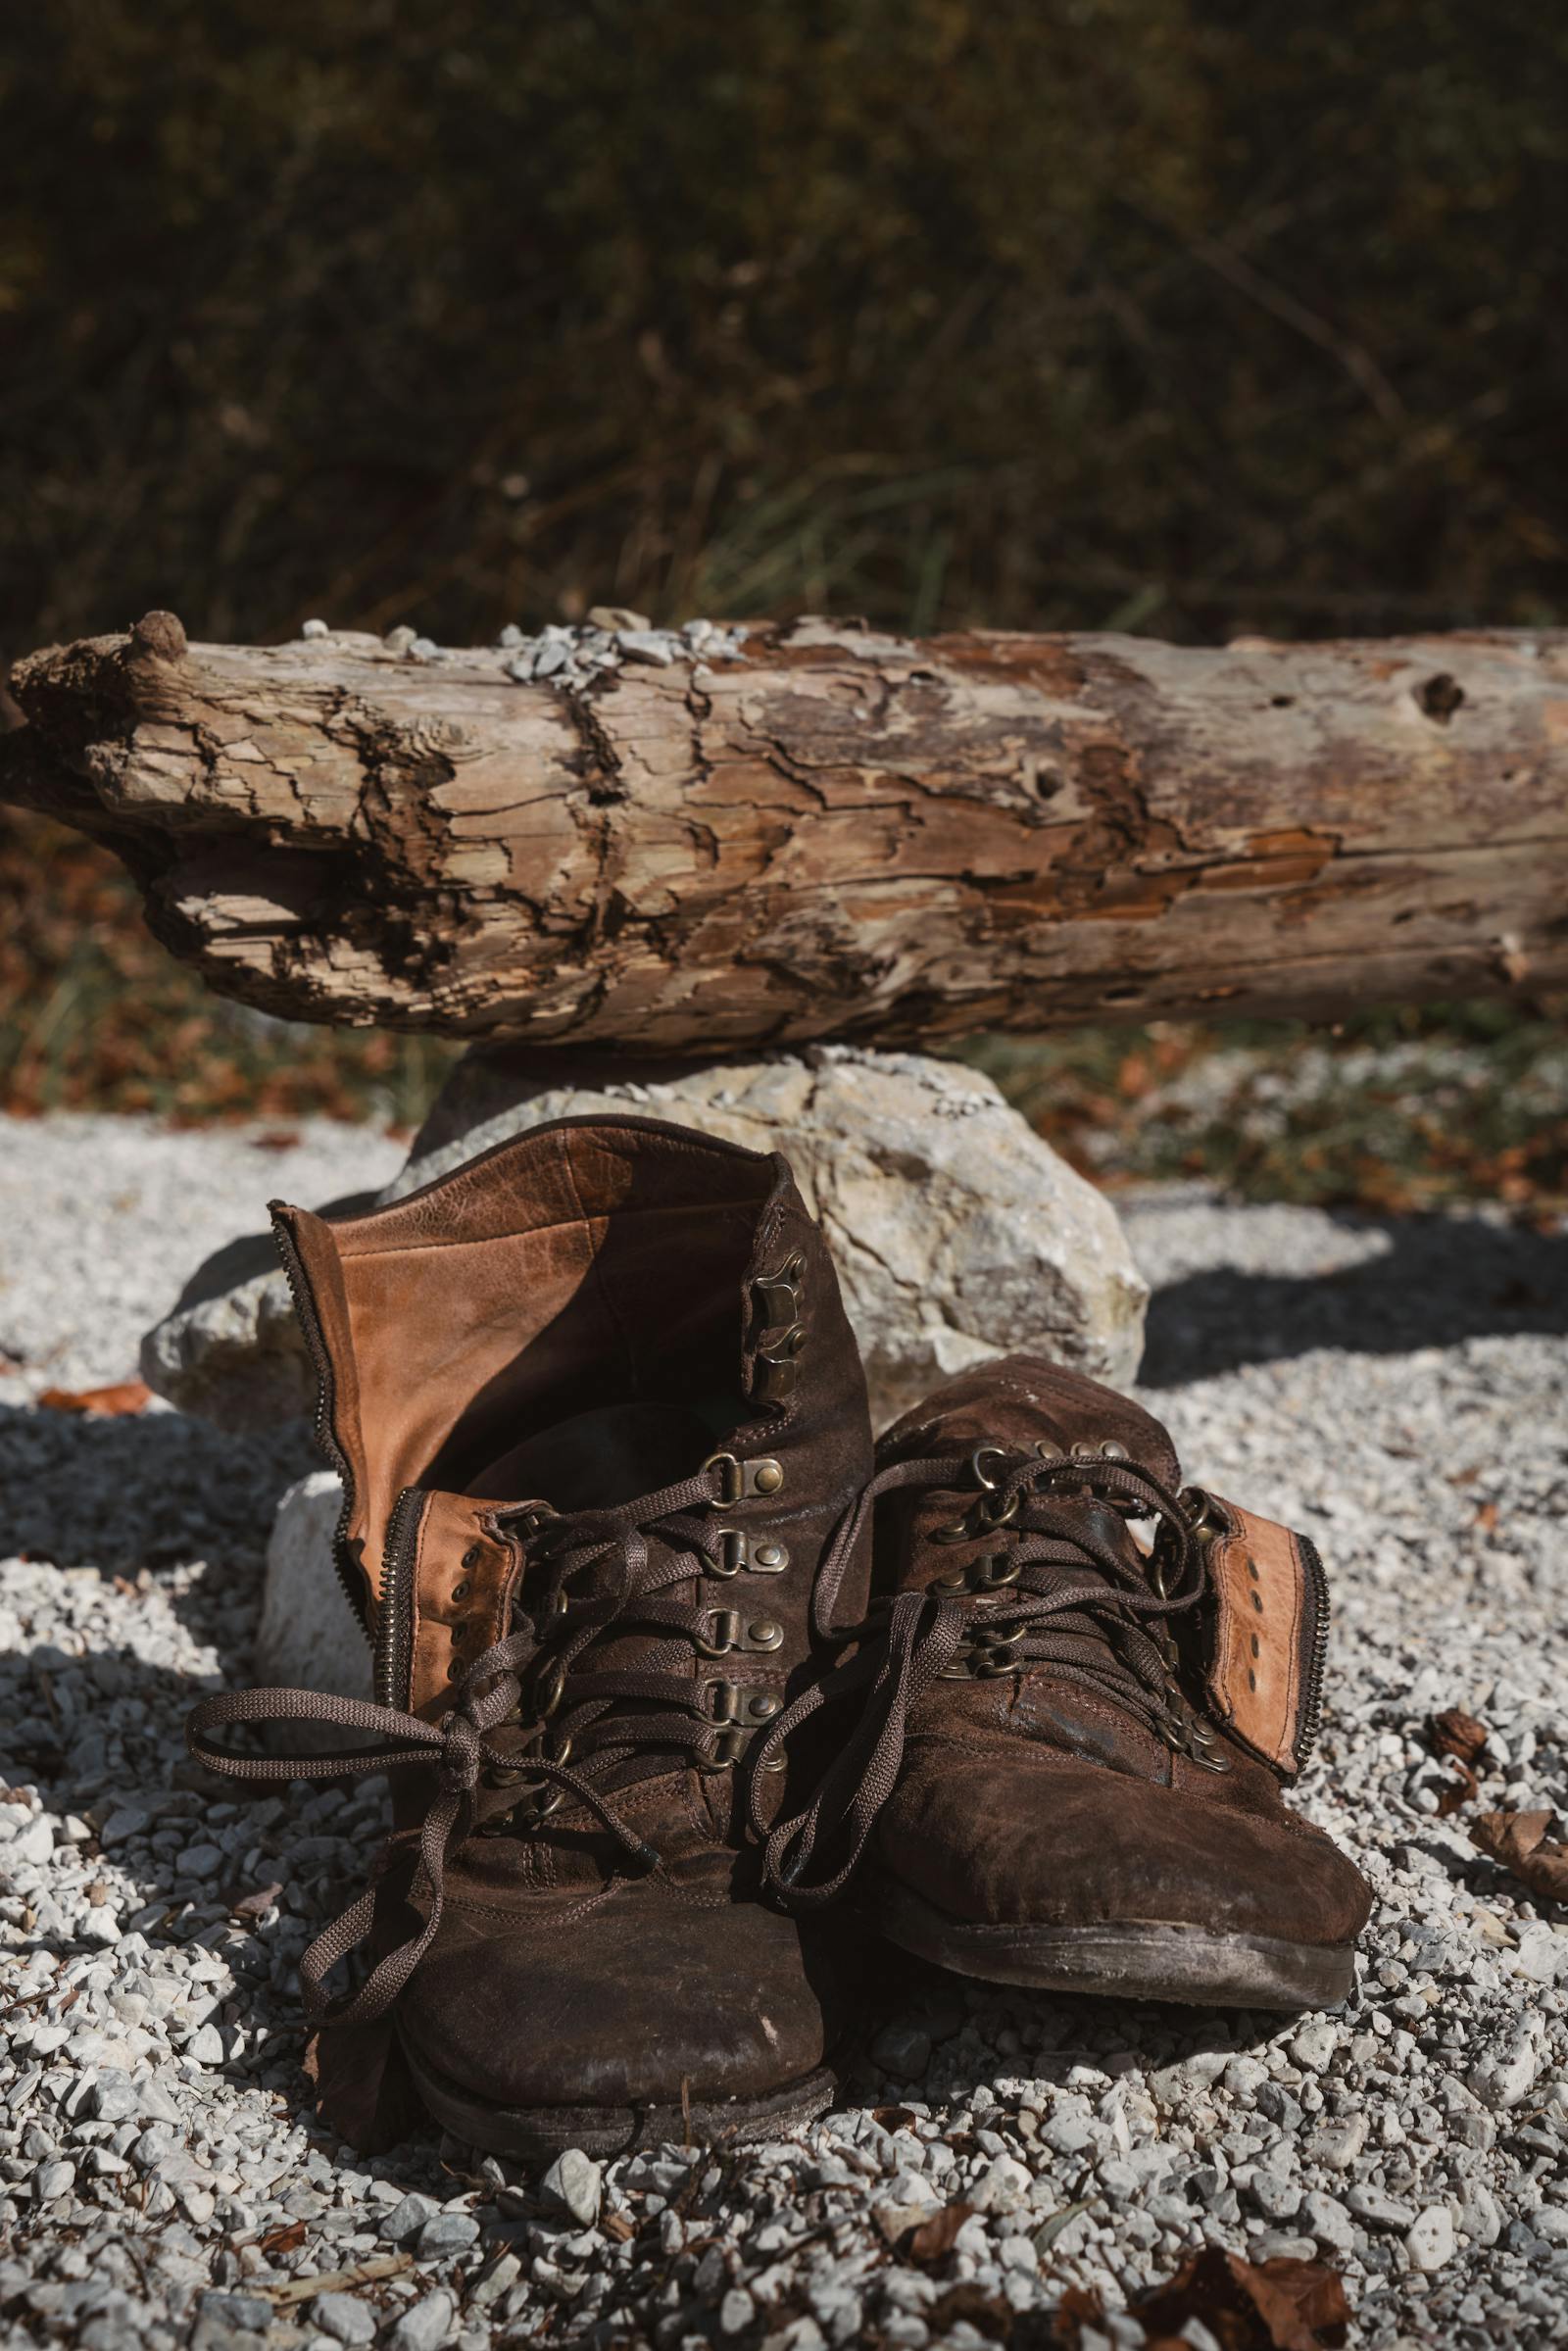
(666, 1659)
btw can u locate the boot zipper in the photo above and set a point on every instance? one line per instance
(1317, 1655)
(393, 1643)
(300, 1292)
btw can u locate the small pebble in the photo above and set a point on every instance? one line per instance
(574, 2184)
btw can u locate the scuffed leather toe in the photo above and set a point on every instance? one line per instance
(614, 2003)
(1036, 1838)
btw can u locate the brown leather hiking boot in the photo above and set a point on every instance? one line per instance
(1067, 1769)
(597, 1414)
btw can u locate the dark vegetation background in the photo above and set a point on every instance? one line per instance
(1196, 320)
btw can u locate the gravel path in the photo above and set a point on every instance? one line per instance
(1402, 1389)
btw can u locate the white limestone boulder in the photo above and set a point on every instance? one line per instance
(310, 1637)
(957, 1232)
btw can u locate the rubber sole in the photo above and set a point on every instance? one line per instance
(532, 2132)
(1138, 1960)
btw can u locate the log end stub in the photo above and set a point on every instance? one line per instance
(160, 636)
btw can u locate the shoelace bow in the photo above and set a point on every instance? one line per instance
(1062, 1596)
(629, 1593)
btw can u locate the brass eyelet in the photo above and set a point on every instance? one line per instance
(740, 1479)
(1203, 1515)
(983, 1454)
(733, 1555)
(994, 1512)
(547, 1694)
(729, 1632)
(994, 1571)
(770, 1560)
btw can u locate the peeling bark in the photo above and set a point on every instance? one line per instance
(836, 834)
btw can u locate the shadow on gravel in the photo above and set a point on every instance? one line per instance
(84, 1491)
(1038, 2036)
(1442, 1278)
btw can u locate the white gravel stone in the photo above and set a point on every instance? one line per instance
(575, 2182)
(345, 2318)
(1431, 2241)
(1506, 2072)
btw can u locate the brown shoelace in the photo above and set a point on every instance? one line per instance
(590, 1575)
(1059, 1593)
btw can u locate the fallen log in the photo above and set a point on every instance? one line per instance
(830, 832)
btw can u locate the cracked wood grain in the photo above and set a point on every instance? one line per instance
(837, 833)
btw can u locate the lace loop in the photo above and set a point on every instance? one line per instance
(1063, 1595)
(598, 1574)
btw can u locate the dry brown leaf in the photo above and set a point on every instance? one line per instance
(284, 2239)
(1280, 2305)
(125, 1396)
(618, 2225)
(1080, 2307)
(1461, 1738)
(1520, 1841)
(933, 2239)
(252, 1905)
(1456, 1733)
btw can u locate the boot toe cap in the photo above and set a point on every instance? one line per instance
(1048, 1840)
(621, 2005)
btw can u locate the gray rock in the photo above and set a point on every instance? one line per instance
(345, 2318)
(446, 2232)
(646, 645)
(1329, 2221)
(1378, 2209)
(53, 2180)
(114, 2096)
(1336, 2146)
(252, 2312)
(574, 2184)
(957, 1232)
(1001, 2188)
(903, 2051)
(1275, 2199)
(407, 2218)
(499, 2278)
(426, 2327)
